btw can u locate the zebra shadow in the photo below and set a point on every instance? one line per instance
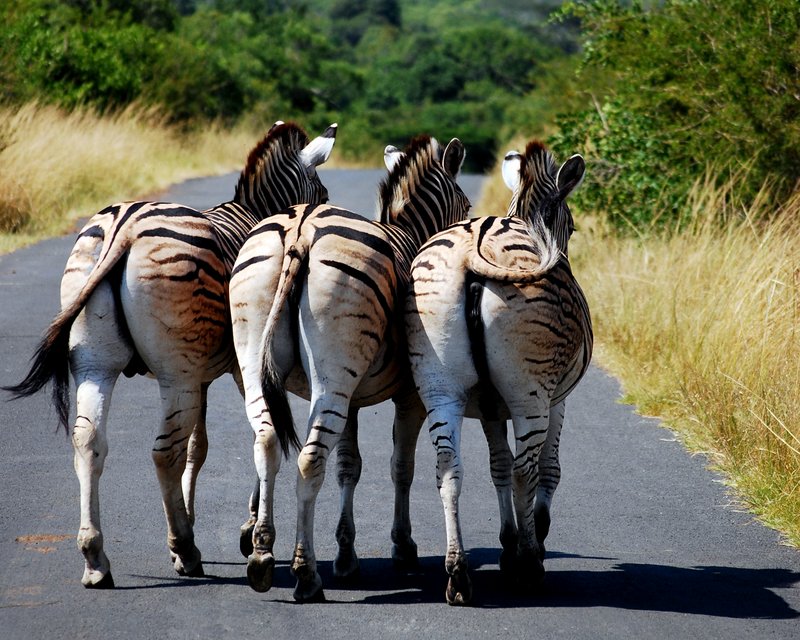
(727, 592)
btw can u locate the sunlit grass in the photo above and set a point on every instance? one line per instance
(701, 327)
(58, 166)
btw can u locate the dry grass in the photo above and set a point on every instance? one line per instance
(57, 166)
(701, 327)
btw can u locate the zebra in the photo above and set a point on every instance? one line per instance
(315, 299)
(498, 327)
(145, 291)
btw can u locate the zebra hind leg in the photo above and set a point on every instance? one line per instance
(267, 458)
(327, 421)
(408, 418)
(98, 354)
(530, 433)
(90, 450)
(182, 408)
(348, 473)
(501, 462)
(195, 457)
(549, 476)
(445, 432)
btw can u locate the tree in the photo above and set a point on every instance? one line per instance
(695, 84)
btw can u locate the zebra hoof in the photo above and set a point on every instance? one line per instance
(459, 589)
(260, 567)
(196, 572)
(246, 538)
(106, 582)
(404, 556)
(192, 566)
(309, 586)
(345, 566)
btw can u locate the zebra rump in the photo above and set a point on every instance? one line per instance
(50, 360)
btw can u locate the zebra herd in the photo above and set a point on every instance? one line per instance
(447, 316)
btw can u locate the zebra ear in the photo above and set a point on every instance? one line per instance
(453, 157)
(391, 156)
(511, 166)
(319, 149)
(570, 175)
(278, 123)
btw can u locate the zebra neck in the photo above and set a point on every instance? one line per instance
(405, 247)
(231, 223)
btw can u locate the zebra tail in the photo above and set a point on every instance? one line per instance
(272, 378)
(544, 245)
(50, 364)
(50, 361)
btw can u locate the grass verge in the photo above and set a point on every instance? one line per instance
(57, 166)
(701, 328)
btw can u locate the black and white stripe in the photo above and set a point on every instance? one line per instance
(327, 329)
(145, 291)
(498, 327)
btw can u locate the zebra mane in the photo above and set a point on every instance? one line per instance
(537, 184)
(283, 137)
(537, 180)
(406, 175)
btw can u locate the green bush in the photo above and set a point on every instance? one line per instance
(77, 54)
(691, 84)
(466, 71)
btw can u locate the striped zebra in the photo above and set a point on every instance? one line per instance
(145, 291)
(314, 302)
(498, 327)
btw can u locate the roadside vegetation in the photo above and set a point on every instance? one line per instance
(692, 268)
(58, 165)
(702, 328)
(688, 226)
(93, 89)
(687, 112)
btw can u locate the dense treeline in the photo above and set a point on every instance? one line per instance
(655, 94)
(681, 88)
(384, 75)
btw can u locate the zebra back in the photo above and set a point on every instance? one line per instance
(419, 197)
(538, 216)
(280, 172)
(540, 189)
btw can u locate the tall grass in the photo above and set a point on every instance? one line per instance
(702, 327)
(56, 165)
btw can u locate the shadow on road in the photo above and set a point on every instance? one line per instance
(727, 592)
(713, 591)
(704, 590)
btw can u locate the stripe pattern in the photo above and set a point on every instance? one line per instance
(499, 328)
(315, 296)
(145, 291)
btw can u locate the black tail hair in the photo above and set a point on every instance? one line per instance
(50, 365)
(282, 419)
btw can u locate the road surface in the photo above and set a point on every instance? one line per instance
(646, 542)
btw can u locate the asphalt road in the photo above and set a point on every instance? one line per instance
(646, 542)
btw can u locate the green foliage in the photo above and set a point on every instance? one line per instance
(77, 54)
(452, 68)
(466, 79)
(352, 18)
(692, 84)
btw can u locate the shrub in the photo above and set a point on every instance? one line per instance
(691, 84)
